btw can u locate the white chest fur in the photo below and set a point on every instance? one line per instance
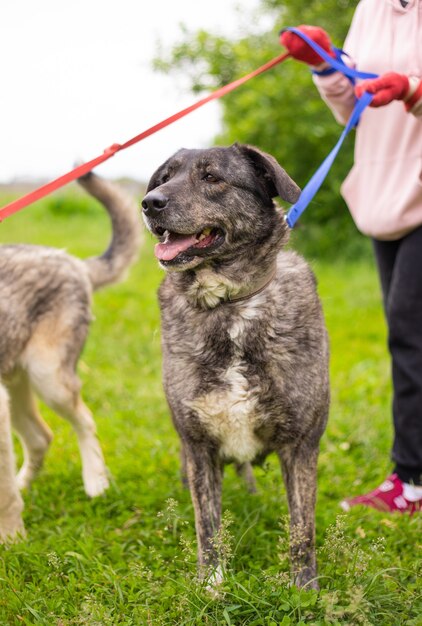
(229, 413)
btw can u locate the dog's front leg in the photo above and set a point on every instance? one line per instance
(205, 472)
(299, 465)
(11, 504)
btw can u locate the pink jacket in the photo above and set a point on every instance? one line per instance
(384, 187)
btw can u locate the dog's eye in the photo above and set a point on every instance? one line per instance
(165, 178)
(210, 178)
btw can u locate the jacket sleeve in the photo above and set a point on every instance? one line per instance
(336, 89)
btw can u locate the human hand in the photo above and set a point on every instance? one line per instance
(301, 51)
(386, 88)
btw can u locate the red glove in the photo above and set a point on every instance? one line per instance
(386, 88)
(300, 50)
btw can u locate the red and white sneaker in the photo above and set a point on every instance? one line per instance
(387, 497)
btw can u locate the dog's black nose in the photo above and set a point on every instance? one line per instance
(154, 202)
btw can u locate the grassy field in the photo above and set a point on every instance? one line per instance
(129, 557)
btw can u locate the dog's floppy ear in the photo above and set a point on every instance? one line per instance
(277, 181)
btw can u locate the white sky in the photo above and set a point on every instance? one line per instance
(76, 77)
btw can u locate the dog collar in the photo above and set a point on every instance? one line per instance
(261, 286)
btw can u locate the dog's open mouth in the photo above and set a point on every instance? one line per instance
(178, 248)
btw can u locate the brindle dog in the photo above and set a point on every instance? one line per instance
(244, 342)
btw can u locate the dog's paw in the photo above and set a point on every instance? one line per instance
(96, 485)
(11, 524)
(213, 581)
(12, 532)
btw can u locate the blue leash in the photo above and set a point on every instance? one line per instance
(315, 182)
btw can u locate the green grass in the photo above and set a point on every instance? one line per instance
(129, 557)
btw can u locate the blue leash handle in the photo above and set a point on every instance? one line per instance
(337, 62)
(315, 182)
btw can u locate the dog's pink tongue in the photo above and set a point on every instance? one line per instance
(174, 245)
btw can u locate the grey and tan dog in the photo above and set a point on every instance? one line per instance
(45, 298)
(245, 348)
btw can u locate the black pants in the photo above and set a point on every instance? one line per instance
(400, 268)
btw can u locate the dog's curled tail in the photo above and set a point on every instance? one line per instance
(111, 266)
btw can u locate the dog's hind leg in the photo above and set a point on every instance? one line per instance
(204, 470)
(11, 504)
(64, 398)
(245, 471)
(299, 465)
(51, 370)
(33, 432)
(94, 471)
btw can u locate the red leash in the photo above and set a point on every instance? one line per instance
(83, 169)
